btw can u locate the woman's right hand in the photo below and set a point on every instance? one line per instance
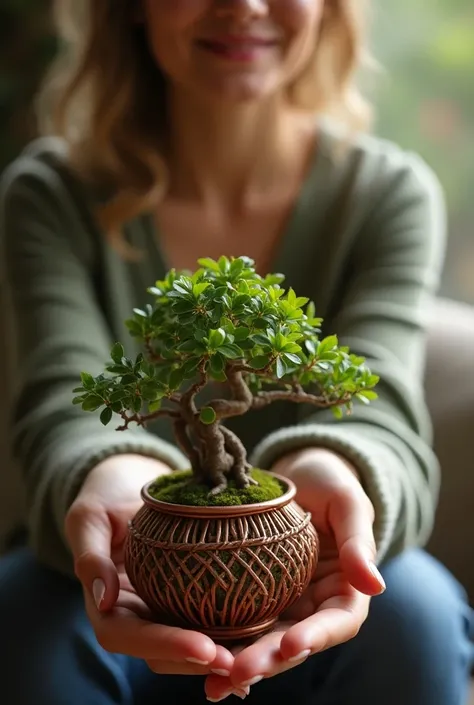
(96, 527)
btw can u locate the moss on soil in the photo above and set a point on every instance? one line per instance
(176, 488)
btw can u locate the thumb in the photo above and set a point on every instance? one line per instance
(351, 518)
(90, 535)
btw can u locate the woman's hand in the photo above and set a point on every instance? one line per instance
(96, 527)
(336, 603)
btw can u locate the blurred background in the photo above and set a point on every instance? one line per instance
(424, 98)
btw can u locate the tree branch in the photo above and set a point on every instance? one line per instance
(143, 419)
(180, 429)
(263, 399)
(242, 397)
(186, 401)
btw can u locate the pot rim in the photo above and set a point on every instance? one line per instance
(219, 512)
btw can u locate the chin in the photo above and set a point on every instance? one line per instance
(243, 89)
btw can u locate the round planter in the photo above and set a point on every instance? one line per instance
(228, 572)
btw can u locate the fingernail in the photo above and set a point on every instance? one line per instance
(299, 657)
(242, 692)
(252, 681)
(376, 573)
(196, 660)
(98, 591)
(223, 697)
(220, 672)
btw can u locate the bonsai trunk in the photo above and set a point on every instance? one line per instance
(215, 452)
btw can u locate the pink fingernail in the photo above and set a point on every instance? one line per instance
(376, 573)
(299, 657)
(242, 693)
(98, 591)
(220, 672)
(251, 682)
(196, 660)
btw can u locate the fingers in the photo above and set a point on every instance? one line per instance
(259, 660)
(221, 666)
(337, 620)
(122, 631)
(351, 516)
(89, 533)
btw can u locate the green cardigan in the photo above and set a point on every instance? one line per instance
(365, 242)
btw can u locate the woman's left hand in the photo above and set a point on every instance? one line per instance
(336, 603)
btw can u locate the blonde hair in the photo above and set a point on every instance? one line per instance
(105, 96)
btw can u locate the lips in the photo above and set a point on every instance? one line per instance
(243, 47)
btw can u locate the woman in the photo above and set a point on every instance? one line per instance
(187, 129)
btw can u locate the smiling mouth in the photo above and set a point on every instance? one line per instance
(237, 48)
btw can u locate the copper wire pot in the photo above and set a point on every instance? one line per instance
(229, 571)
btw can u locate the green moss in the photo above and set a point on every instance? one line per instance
(176, 488)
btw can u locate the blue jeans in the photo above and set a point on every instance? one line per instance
(414, 648)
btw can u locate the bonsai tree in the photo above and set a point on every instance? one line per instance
(224, 323)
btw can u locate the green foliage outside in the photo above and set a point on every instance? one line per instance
(425, 102)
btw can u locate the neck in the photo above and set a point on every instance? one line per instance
(224, 156)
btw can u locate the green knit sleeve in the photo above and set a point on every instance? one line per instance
(394, 272)
(60, 331)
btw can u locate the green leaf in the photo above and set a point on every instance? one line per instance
(92, 402)
(154, 406)
(191, 365)
(135, 328)
(327, 344)
(78, 400)
(117, 369)
(338, 412)
(151, 391)
(281, 368)
(106, 416)
(259, 362)
(176, 379)
(207, 415)
(241, 334)
(217, 364)
(87, 380)
(219, 376)
(368, 394)
(118, 395)
(117, 353)
(189, 346)
(200, 288)
(231, 351)
(292, 358)
(216, 337)
(291, 348)
(224, 264)
(208, 263)
(237, 267)
(136, 404)
(138, 312)
(183, 306)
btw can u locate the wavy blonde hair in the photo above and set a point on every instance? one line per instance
(105, 96)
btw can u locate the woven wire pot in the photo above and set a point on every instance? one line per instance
(228, 572)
